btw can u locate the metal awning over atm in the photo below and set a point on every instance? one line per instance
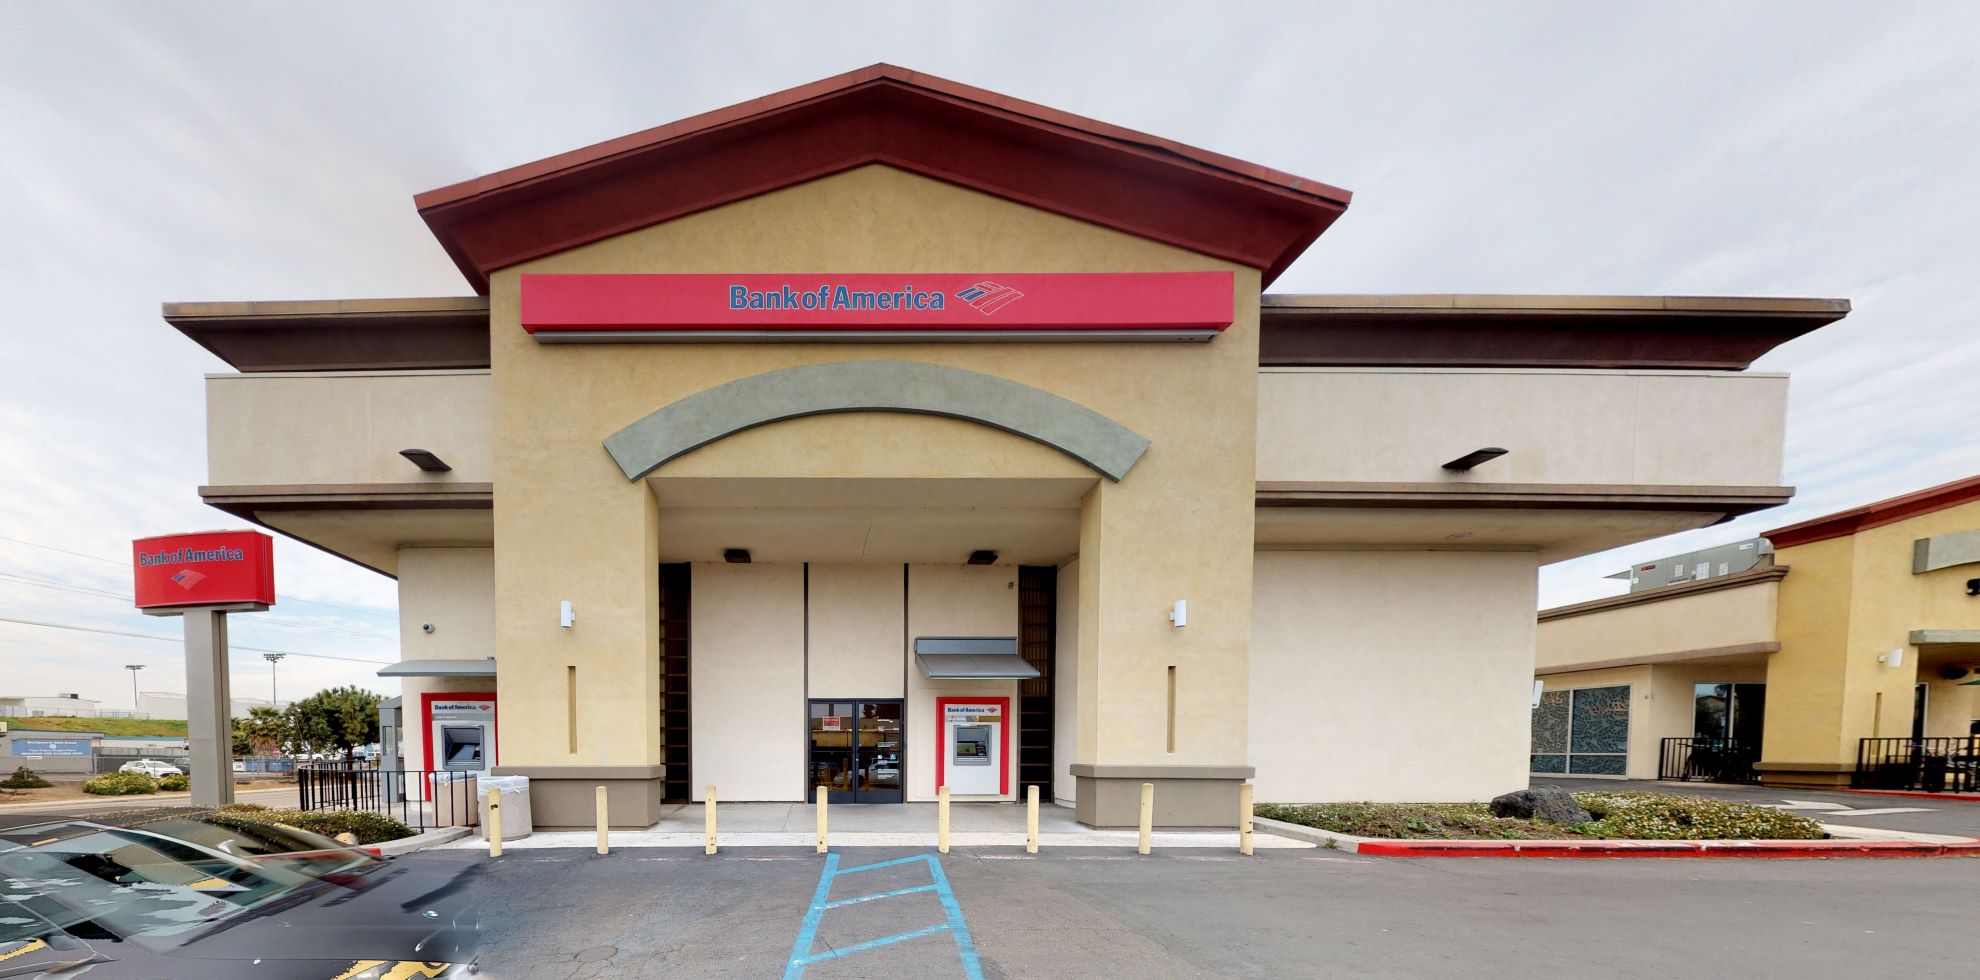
(441, 668)
(971, 658)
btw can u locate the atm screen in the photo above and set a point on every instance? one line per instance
(460, 746)
(972, 745)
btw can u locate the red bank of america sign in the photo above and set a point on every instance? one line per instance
(880, 306)
(205, 568)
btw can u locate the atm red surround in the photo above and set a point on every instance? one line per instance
(1008, 735)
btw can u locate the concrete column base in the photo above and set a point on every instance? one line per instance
(564, 797)
(1185, 796)
(1805, 775)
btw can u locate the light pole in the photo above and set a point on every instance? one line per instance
(272, 658)
(134, 668)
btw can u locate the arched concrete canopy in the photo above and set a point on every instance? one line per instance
(875, 386)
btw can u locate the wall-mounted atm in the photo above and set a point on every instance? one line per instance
(460, 732)
(975, 759)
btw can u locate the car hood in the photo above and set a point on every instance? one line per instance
(393, 912)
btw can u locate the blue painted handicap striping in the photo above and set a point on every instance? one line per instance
(801, 951)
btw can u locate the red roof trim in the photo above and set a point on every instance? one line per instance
(1891, 511)
(1115, 177)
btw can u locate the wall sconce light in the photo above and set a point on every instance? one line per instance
(1179, 613)
(425, 460)
(1893, 658)
(736, 556)
(565, 616)
(1473, 458)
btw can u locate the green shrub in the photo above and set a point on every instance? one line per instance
(24, 778)
(1661, 816)
(174, 783)
(120, 784)
(1418, 821)
(367, 827)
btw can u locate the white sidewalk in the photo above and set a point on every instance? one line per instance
(878, 825)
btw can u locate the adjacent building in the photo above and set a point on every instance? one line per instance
(1850, 654)
(888, 433)
(58, 705)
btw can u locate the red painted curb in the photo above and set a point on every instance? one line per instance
(1915, 795)
(1666, 849)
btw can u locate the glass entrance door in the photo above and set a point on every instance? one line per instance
(856, 751)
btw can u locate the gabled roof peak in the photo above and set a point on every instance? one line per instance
(1025, 152)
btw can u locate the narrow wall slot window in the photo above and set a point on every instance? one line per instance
(1172, 709)
(570, 704)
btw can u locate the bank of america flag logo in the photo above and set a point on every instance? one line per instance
(988, 297)
(187, 579)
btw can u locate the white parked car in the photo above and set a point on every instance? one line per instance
(151, 767)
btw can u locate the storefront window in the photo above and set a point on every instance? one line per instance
(1583, 732)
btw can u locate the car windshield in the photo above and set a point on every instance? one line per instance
(95, 881)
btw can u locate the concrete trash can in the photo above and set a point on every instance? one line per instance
(453, 804)
(515, 805)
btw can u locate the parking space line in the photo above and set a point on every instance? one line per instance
(801, 950)
(869, 898)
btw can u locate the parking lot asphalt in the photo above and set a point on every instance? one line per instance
(1944, 815)
(665, 912)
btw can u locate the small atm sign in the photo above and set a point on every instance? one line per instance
(965, 714)
(206, 568)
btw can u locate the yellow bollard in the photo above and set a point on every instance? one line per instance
(1244, 819)
(822, 793)
(494, 823)
(603, 846)
(1031, 819)
(942, 819)
(709, 810)
(1147, 816)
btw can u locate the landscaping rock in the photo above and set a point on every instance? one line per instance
(1549, 803)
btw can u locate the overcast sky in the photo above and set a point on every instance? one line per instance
(178, 151)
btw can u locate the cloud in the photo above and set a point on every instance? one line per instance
(250, 151)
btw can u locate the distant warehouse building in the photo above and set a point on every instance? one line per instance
(887, 433)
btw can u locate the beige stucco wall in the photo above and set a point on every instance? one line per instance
(1585, 426)
(857, 631)
(956, 600)
(1365, 664)
(1065, 684)
(337, 427)
(569, 526)
(452, 590)
(747, 690)
(1701, 621)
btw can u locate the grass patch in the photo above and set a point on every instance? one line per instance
(120, 784)
(116, 727)
(1618, 816)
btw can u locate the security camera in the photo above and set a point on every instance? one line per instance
(426, 627)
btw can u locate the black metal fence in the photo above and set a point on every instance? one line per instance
(1927, 765)
(419, 798)
(1714, 760)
